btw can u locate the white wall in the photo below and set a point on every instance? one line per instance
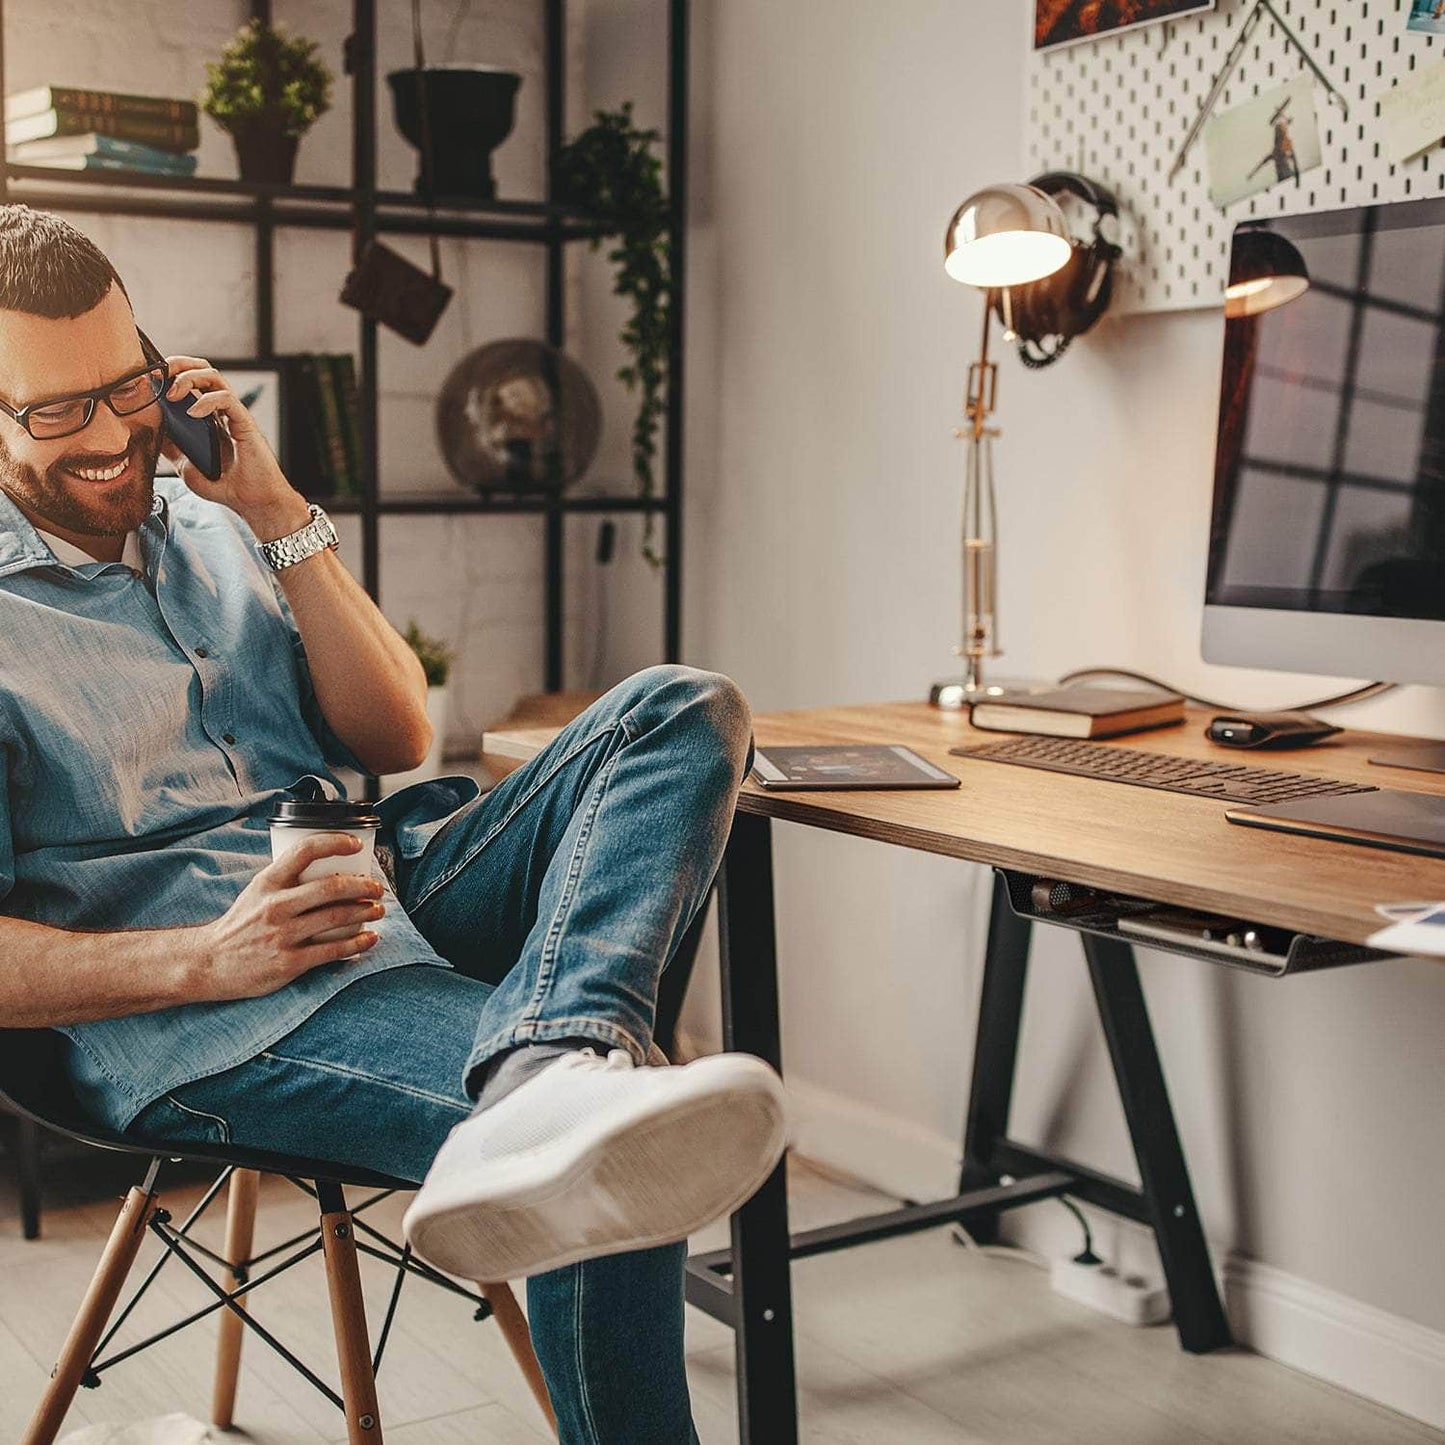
(832, 140)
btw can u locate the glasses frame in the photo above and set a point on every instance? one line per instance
(94, 397)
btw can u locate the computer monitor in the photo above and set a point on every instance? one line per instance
(1327, 543)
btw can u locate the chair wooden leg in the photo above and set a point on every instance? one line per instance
(348, 1318)
(95, 1310)
(513, 1324)
(240, 1231)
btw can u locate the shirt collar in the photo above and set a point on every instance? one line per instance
(22, 546)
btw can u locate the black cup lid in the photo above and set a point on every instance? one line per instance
(324, 813)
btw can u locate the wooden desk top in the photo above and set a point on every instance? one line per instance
(1132, 840)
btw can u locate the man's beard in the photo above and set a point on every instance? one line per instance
(87, 508)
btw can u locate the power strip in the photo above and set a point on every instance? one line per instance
(1101, 1287)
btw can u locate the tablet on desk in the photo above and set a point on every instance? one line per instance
(1407, 822)
(839, 766)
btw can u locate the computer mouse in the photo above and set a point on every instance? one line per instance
(1268, 730)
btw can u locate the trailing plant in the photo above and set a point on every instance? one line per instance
(265, 74)
(435, 656)
(610, 173)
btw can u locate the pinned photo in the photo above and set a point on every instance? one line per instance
(1427, 16)
(1270, 139)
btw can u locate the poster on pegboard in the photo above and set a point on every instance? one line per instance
(1119, 107)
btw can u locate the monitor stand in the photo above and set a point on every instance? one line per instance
(1423, 757)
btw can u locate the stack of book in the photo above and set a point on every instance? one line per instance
(323, 423)
(82, 130)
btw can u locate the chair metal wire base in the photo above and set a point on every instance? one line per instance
(178, 1245)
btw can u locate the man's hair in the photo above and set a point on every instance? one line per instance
(48, 268)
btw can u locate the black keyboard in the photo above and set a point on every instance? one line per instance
(1200, 777)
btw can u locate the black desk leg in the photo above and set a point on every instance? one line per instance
(27, 1158)
(1198, 1314)
(995, 1050)
(761, 1285)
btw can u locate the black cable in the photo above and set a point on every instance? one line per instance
(1358, 694)
(1085, 1255)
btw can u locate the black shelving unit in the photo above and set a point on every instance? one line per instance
(370, 211)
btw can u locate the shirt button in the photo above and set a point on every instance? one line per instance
(228, 737)
(201, 652)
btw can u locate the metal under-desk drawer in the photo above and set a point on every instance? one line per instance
(1092, 911)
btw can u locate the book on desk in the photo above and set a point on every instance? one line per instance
(1080, 712)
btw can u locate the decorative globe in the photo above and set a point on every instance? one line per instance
(518, 416)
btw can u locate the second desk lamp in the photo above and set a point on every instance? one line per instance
(1001, 236)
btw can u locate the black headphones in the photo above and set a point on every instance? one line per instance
(1045, 315)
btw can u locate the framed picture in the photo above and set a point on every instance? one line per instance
(261, 390)
(1063, 22)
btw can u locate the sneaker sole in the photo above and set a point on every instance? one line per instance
(642, 1184)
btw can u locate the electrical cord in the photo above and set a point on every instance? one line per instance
(1012, 1252)
(1358, 694)
(1085, 1255)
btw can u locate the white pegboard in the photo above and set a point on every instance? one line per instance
(1119, 107)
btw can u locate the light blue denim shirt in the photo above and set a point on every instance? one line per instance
(147, 725)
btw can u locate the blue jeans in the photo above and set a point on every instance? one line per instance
(558, 897)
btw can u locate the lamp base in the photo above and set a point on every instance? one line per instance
(954, 692)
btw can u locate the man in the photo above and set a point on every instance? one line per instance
(176, 655)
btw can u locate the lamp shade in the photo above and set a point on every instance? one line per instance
(1006, 235)
(1265, 271)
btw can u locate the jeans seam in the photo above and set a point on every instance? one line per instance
(582, 1395)
(216, 1119)
(547, 966)
(342, 1071)
(521, 803)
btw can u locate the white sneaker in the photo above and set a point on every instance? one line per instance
(591, 1157)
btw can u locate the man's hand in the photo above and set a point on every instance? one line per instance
(263, 940)
(252, 483)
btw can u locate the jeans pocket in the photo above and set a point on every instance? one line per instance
(169, 1121)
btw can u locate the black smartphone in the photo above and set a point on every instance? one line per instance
(198, 437)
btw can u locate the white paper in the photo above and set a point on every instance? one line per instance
(1398, 911)
(1413, 113)
(1421, 933)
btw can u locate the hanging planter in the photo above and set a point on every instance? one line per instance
(610, 174)
(268, 89)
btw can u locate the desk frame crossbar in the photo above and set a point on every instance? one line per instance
(748, 1286)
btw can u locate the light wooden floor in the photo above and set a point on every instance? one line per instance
(910, 1342)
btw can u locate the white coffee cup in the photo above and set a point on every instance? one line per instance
(292, 822)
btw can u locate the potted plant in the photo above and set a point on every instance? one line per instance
(610, 173)
(436, 659)
(267, 90)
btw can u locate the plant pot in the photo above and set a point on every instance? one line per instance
(265, 153)
(431, 766)
(470, 111)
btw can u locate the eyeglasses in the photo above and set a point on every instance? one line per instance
(65, 415)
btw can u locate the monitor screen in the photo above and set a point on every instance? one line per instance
(1329, 487)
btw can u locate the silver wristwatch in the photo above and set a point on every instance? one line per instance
(316, 536)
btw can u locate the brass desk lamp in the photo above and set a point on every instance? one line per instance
(1001, 236)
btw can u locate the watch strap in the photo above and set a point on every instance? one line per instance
(316, 536)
